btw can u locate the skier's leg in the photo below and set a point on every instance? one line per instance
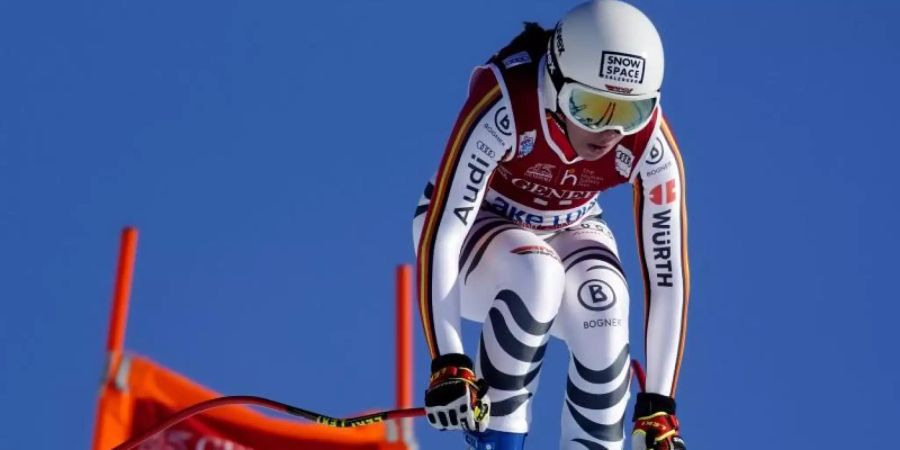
(512, 281)
(593, 320)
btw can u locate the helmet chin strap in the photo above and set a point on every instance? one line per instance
(551, 97)
(560, 121)
(565, 128)
(553, 82)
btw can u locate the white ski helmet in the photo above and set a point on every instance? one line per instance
(605, 67)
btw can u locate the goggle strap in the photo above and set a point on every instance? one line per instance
(556, 75)
(558, 118)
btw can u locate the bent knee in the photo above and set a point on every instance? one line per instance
(591, 258)
(529, 260)
(508, 252)
(596, 298)
(599, 289)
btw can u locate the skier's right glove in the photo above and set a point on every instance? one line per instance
(655, 424)
(455, 399)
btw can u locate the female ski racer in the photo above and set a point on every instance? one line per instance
(510, 233)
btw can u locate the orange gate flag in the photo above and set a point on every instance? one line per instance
(143, 393)
(137, 393)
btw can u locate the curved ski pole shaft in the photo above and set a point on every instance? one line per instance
(638, 372)
(367, 419)
(190, 411)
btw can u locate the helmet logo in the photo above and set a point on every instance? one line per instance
(622, 67)
(560, 47)
(618, 90)
(551, 61)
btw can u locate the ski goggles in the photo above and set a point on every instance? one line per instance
(595, 110)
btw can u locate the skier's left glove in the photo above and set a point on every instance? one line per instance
(455, 398)
(655, 424)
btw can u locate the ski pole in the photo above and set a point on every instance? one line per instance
(638, 372)
(356, 421)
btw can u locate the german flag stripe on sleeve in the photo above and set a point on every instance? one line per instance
(685, 264)
(680, 323)
(639, 231)
(471, 115)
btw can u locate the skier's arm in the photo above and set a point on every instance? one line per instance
(473, 151)
(661, 219)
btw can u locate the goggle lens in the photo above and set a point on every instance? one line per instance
(596, 112)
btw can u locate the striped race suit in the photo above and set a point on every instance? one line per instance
(509, 233)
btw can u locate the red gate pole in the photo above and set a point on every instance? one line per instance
(404, 349)
(115, 341)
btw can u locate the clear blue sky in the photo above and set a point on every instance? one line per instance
(271, 154)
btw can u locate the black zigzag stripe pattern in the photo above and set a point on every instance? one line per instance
(509, 344)
(480, 253)
(576, 396)
(508, 406)
(423, 208)
(611, 433)
(590, 445)
(606, 375)
(520, 314)
(481, 227)
(497, 379)
(589, 400)
(593, 252)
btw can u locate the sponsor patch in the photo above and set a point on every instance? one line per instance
(502, 122)
(656, 152)
(659, 169)
(540, 171)
(486, 149)
(664, 193)
(594, 226)
(516, 59)
(477, 176)
(551, 61)
(560, 45)
(662, 248)
(569, 175)
(602, 323)
(564, 196)
(619, 90)
(622, 67)
(624, 160)
(596, 295)
(535, 250)
(526, 142)
(537, 219)
(589, 178)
